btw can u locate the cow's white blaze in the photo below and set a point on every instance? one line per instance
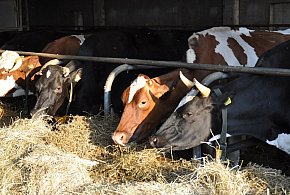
(282, 142)
(81, 38)
(137, 84)
(6, 85)
(189, 96)
(48, 73)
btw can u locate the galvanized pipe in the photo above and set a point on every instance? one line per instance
(170, 64)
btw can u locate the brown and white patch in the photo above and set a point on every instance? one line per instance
(137, 84)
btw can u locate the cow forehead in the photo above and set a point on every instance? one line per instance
(137, 84)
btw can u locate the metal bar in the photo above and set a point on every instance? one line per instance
(169, 64)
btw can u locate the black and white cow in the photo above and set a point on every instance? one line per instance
(259, 109)
(55, 83)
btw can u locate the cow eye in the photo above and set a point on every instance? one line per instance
(143, 104)
(57, 89)
(188, 114)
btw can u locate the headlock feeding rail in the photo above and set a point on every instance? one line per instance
(154, 63)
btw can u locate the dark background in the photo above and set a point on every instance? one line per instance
(181, 14)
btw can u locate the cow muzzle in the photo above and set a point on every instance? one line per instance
(121, 138)
(153, 140)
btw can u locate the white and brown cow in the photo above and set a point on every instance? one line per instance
(145, 109)
(14, 68)
(13, 71)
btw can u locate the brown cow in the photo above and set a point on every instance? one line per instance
(145, 109)
(68, 45)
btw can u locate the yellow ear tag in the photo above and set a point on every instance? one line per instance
(228, 101)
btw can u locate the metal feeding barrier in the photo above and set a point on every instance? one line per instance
(131, 63)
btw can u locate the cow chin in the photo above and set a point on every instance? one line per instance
(173, 143)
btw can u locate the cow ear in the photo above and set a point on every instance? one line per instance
(125, 95)
(161, 90)
(76, 76)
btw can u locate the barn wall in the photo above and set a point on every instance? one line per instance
(254, 12)
(187, 13)
(60, 12)
(257, 13)
(173, 13)
(193, 14)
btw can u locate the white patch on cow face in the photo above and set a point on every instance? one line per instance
(48, 73)
(81, 38)
(282, 142)
(137, 84)
(190, 56)
(187, 98)
(6, 85)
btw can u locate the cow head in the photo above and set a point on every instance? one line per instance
(53, 87)
(190, 124)
(147, 103)
(187, 127)
(139, 100)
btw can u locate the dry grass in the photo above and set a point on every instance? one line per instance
(7, 115)
(79, 157)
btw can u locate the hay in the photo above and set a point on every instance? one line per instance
(79, 157)
(7, 114)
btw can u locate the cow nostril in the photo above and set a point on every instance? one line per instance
(153, 141)
(119, 138)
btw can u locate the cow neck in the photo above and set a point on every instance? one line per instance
(223, 135)
(178, 88)
(167, 79)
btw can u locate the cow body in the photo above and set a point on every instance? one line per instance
(67, 45)
(14, 69)
(258, 109)
(88, 92)
(12, 78)
(219, 45)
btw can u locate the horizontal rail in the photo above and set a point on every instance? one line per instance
(169, 64)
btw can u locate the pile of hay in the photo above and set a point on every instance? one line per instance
(7, 114)
(78, 156)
